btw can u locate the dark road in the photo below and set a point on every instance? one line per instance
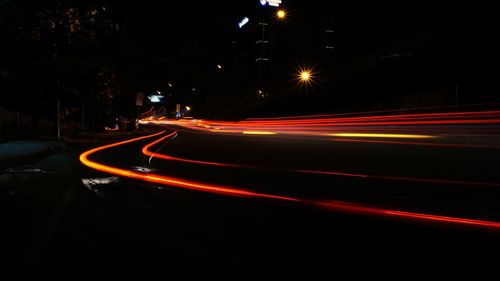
(189, 203)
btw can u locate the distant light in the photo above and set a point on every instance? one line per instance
(158, 92)
(281, 14)
(219, 66)
(155, 98)
(261, 93)
(188, 108)
(273, 3)
(194, 89)
(115, 128)
(170, 85)
(396, 136)
(243, 22)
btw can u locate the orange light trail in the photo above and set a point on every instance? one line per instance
(231, 191)
(146, 151)
(170, 181)
(356, 208)
(421, 116)
(323, 125)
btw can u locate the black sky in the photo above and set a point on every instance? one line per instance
(436, 45)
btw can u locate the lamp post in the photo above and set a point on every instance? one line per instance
(263, 43)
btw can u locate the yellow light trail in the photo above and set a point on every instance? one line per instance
(258, 133)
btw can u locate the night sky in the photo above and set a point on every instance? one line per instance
(384, 50)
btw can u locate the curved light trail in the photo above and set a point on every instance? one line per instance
(170, 181)
(239, 192)
(146, 150)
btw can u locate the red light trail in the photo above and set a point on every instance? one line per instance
(240, 192)
(331, 125)
(146, 150)
(170, 181)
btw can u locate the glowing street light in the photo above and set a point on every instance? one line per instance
(219, 66)
(305, 76)
(281, 14)
(188, 108)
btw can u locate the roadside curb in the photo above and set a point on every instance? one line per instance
(15, 154)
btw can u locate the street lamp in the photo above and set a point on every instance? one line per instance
(281, 14)
(305, 76)
(263, 43)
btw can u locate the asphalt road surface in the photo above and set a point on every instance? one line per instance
(228, 202)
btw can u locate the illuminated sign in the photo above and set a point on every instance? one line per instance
(273, 3)
(243, 22)
(155, 98)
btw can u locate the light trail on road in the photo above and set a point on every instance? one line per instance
(348, 207)
(147, 151)
(170, 181)
(331, 125)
